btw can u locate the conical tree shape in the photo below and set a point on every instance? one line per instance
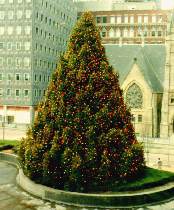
(82, 136)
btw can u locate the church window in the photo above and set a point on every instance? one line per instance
(140, 118)
(134, 97)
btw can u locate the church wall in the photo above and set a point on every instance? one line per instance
(148, 125)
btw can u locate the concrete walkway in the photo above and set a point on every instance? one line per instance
(14, 198)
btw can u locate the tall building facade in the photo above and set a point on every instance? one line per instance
(128, 22)
(33, 34)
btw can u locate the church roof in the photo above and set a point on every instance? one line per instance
(150, 59)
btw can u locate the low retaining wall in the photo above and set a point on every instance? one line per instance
(127, 199)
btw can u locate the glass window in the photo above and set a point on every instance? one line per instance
(104, 19)
(18, 30)
(159, 33)
(125, 32)
(8, 92)
(131, 19)
(10, 30)
(1, 61)
(9, 45)
(17, 76)
(139, 19)
(2, 15)
(1, 45)
(1, 76)
(145, 19)
(112, 19)
(118, 19)
(28, 14)
(19, 14)
(27, 30)
(154, 19)
(26, 93)
(140, 118)
(131, 32)
(26, 76)
(1, 91)
(9, 77)
(118, 33)
(26, 61)
(18, 45)
(10, 15)
(18, 61)
(126, 19)
(27, 45)
(2, 30)
(9, 61)
(111, 33)
(153, 33)
(17, 92)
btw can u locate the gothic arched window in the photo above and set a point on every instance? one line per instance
(134, 97)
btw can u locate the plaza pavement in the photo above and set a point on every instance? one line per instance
(13, 197)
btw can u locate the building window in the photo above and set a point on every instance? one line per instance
(112, 20)
(17, 92)
(2, 15)
(140, 118)
(18, 30)
(1, 45)
(118, 19)
(18, 61)
(17, 76)
(153, 33)
(18, 45)
(172, 101)
(27, 45)
(131, 32)
(103, 33)
(26, 93)
(10, 119)
(27, 30)
(9, 45)
(28, 14)
(118, 33)
(134, 97)
(26, 62)
(8, 92)
(10, 15)
(19, 14)
(2, 30)
(126, 19)
(139, 19)
(104, 19)
(26, 77)
(1, 91)
(154, 19)
(125, 32)
(131, 19)
(145, 19)
(9, 77)
(159, 33)
(111, 33)
(1, 76)
(9, 30)
(1, 61)
(9, 61)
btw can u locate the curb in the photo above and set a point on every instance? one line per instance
(127, 199)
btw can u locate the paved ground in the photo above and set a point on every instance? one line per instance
(13, 198)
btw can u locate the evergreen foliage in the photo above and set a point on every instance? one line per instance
(82, 135)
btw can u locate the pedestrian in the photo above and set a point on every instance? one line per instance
(159, 163)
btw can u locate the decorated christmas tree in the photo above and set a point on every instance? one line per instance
(82, 135)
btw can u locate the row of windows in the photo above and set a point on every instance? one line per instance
(15, 30)
(129, 19)
(17, 92)
(12, 14)
(18, 76)
(130, 33)
(48, 35)
(44, 64)
(18, 61)
(15, 45)
(25, 77)
(14, 1)
(46, 49)
(136, 118)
